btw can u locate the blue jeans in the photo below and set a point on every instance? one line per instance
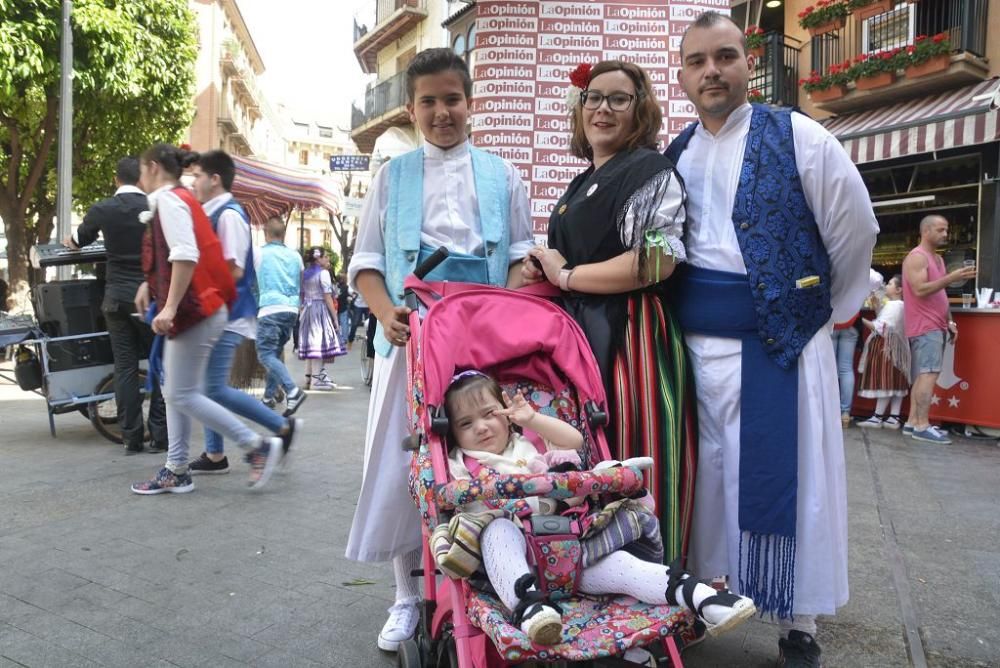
(218, 390)
(273, 332)
(344, 320)
(844, 343)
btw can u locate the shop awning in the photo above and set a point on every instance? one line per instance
(948, 120)
(267, 190)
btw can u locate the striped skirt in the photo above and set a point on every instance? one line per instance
(652, 412)
(879, 377)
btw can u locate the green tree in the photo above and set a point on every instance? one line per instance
(133, 85)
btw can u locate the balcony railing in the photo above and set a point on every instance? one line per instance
(393, 19)
(776, 74)
(381, 98)
(965, 21)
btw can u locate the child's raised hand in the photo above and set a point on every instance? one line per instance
(518, 410)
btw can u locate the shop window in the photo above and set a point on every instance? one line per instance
(304, 157)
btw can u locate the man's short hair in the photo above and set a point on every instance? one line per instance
(218, 162)
(127, 171)
(275, 228)
(713, 18)
(929, 220)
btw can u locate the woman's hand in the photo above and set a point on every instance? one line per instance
(164, 320)
(395, 326)
(530, 273)
(518, 410)
(552, 261)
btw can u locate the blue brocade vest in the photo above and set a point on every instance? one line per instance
(404, 221)
(778, 236)
(246, 288)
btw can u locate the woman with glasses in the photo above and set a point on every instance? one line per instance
(614, 237)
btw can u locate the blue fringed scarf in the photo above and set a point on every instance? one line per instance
(718, 303)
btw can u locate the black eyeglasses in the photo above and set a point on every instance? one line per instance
(591, 99)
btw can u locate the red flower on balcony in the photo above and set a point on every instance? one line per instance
(754, 37)
(824, 12)
(924, 48)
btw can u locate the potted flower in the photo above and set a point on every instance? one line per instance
(928, 55)
(824, 16)
(865, 9)
(829, 86)
(756, 96)
(875, 70)
(756, 41)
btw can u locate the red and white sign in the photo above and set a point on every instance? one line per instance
(525, 50)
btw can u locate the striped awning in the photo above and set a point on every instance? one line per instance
(948, 120)
(267, 190)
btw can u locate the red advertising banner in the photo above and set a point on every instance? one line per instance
(525, 50)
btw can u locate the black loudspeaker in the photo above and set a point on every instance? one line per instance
(79, 353)
(67, 308)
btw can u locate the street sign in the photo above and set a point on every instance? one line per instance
(349, 163)
(352, 206)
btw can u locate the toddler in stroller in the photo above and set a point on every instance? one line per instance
(485, 426)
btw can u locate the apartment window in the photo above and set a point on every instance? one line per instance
(301, 127)
(893, 29)
(307, 237)
(328, 238)
(459, 45)
(324, 131)
(304, 157)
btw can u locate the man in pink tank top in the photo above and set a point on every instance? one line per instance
(927, 321)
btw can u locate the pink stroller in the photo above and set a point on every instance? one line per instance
(542, 352)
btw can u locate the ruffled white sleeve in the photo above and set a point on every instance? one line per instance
(664, 195)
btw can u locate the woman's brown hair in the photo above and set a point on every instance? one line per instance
(646, 109)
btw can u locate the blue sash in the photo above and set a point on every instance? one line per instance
(719, 303)
(457, 267)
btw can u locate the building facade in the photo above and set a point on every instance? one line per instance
(384, 44)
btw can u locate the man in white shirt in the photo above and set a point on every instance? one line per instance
(214, 173)
(728, 235)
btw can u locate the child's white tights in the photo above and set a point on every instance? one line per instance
(883, 402)
(504, 550)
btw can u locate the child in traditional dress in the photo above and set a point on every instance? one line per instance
(318, 338)
(885, 361)
(482, 419)
(446, 193)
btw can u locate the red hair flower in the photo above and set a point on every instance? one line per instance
(185, 147)
(580, 77)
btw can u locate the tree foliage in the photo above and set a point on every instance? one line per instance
(133, 85)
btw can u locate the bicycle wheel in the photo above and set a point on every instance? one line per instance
(104, 414)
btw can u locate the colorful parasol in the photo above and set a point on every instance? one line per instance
(267, 190)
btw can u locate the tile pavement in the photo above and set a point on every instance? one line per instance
(91, 575)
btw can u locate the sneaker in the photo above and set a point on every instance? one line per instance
(324, 385)
(205, 466)
(158, 447)
(279, 394)
(907, 429)
(129, 451)
(892, 422)
(931, 435)
(270, 402)
(874, 422)
(401, 625)
(293, 401)
(798, 650)
(262, 460)
(166, 481)
(542, 624)
(286, 439)
(845, 420)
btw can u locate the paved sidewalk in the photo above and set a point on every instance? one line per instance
(91, 574)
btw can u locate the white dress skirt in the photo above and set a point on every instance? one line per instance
(821, 521)
(386, 522)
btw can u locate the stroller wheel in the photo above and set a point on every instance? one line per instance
(408, 654)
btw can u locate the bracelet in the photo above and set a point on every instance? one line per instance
(564, 275)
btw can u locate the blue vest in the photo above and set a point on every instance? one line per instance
(404, 222)
(778, 236)
(246, 288)
(280, 276)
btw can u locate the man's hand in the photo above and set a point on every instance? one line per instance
(142, 299)
(395, 326)
(69, 243)
(963, 274)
